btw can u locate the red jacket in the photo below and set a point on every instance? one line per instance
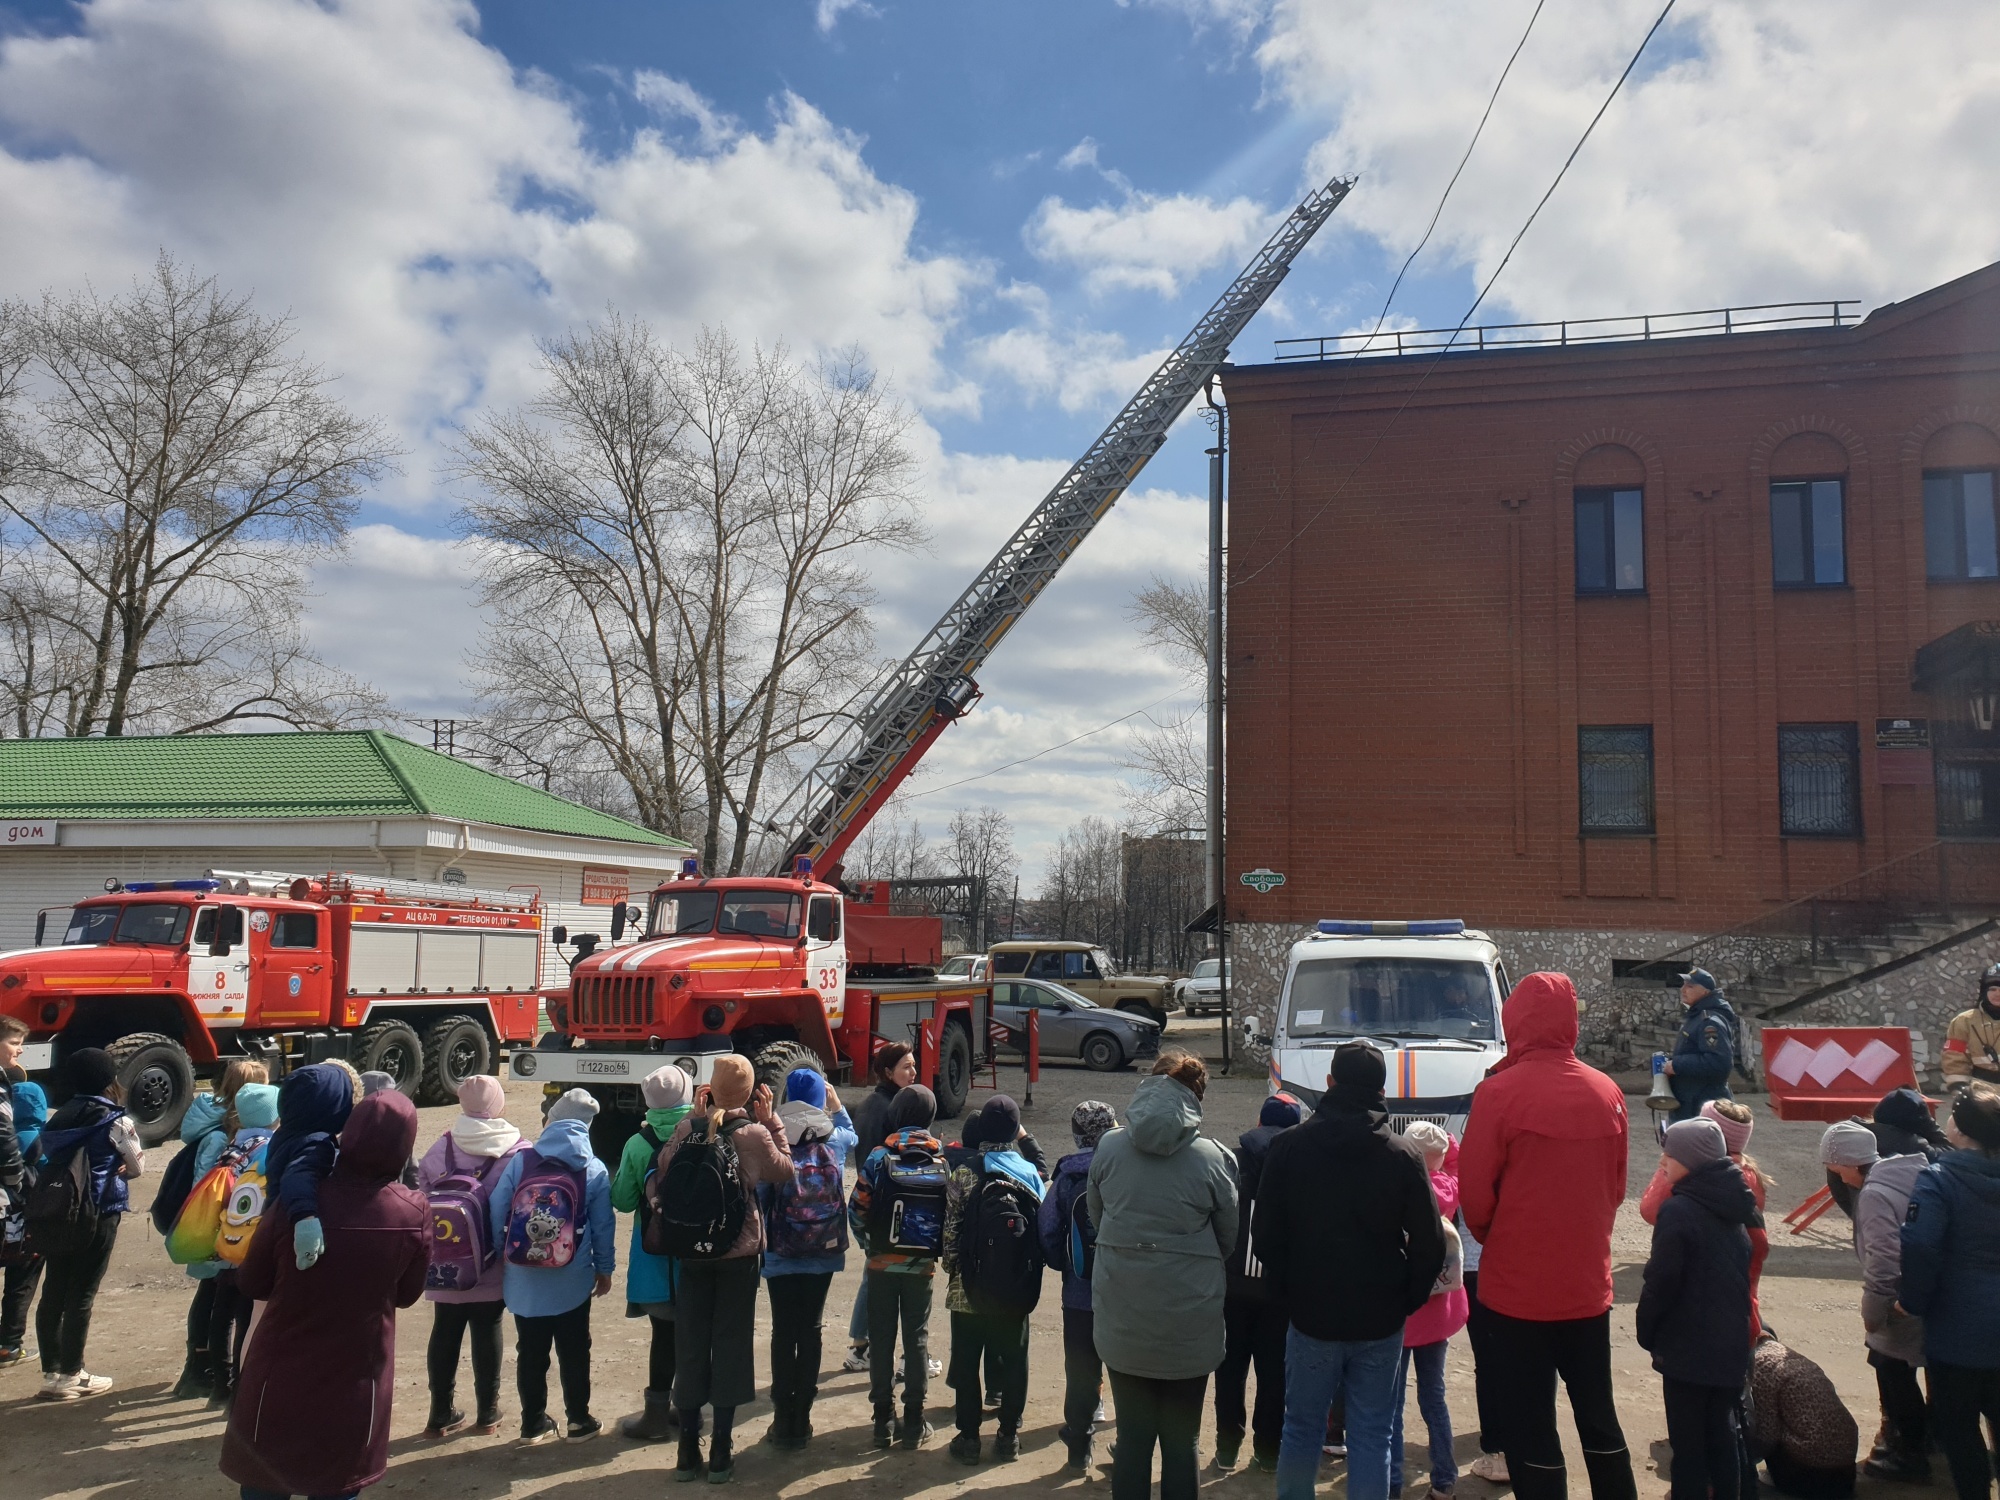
(1542, 1169)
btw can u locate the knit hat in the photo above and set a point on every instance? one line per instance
(480, 1097)
(1000, 1121)
(574, 1105)
(972, 1135)
(257, 1105)
(1428, 1138)
(1359, 1072)
(373, 1082)
(666, 1087)
(913, 1108)
(807, 1085)
(91, 1070)
(1977, 1115)
(733, 1081)
(1281, 1110)
(1905, 1109)
(1089, 1122)
(1695, 1143)
(1848, 1143)
(1735, 1133)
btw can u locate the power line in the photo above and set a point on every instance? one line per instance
(1445, 348)
(1438, 213)
(1050, 750)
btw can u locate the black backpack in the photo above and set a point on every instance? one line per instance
(999, 1250)
(62, 1208)
(699, 1202)
(1082, 1243)
(647, 1134)
(906, 1213)
(175, 1185)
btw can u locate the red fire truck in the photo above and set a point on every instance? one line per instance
(422, 982)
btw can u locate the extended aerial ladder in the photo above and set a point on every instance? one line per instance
(882, 744)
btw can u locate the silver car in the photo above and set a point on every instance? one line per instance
(1071, 1026)
(1202, 990)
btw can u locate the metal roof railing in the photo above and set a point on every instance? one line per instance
(1636, 328)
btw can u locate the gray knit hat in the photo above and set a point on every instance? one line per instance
(574, 1105)
(1695, 1143)
(1089, 1122)
(1848, 1143)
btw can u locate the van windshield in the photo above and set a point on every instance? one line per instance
(1399, 997)
(127, 922)
(748, 913)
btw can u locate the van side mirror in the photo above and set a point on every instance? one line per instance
(559, 935)
(618, 921)
(41, 926)
(1251, 1035)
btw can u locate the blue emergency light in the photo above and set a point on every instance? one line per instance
(143, 886)
(802, 868)
(690, 869)
(1443, 927)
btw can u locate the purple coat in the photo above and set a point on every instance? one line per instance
(311, 1415)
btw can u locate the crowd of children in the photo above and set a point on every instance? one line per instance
(1327, 1257)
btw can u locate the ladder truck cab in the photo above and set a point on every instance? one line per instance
(1426, 994)
(786, 970)
(178, 977)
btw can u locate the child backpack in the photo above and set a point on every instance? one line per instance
(245, 1209)
(907, 1214)
(62, 1208)
(808, 1214)
(546, 1214)
(175, 1185)
(460, 1252)
(191, 1240)
(699, 1202)
(1083, 1235)
(999, 1251)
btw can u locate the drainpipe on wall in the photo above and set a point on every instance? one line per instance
(375, 843)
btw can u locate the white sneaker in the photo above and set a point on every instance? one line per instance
(935, 1366)
(1491, 1467)
(83, 1383)
(1334, 1450)
(1097, 1418)
(856, 1362)
(57, 1387)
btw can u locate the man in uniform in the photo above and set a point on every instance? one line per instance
(1972, 1042)
(1705, 1050)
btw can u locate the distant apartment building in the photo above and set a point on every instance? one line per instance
(1650, 640)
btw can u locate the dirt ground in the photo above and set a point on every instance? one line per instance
(134, 1442)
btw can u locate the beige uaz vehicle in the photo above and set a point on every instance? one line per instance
(1088, 970)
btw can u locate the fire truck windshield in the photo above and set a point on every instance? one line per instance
(747, 913)
(139, 922)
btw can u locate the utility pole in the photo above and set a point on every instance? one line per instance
(1218, 884)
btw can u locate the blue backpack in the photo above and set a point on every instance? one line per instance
(809, 1214)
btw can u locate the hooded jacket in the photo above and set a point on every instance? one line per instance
(1163, 1201)
(1542, 1169)
(871, 1121)
(13, 1167)
(313, 1105)
(1253, 1147)
(1054, 1221)
(1951, 1259)
(539, 1291)
(806, 1125)
(256, 1114)
(1694, 1312)
(1443, 1313)
(312, 1409)
(762, 1155)
(1704, 1052)
(479, 1147)
(109, 1141)
(1346, 1224)
(960, 1189)
(1879, 1210)
(650, 1280)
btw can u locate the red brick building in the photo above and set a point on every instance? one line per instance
(1613, 644)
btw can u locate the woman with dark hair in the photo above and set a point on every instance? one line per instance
(312, 1408)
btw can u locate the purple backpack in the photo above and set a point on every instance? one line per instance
(809, 1214)
(460, 1252)
(545, 1216)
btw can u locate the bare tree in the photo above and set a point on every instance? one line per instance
(1169, 754)
(169, 469)
(1080, 889)
(677, 552)
(1172, 616)
(980, 846)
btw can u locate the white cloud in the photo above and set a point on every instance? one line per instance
(1763, 153)
(1146, 242)
(676, 99)
(827, 13)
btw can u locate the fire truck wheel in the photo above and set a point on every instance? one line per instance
(774, 1062)
(954, 1074)
(391, 1047)
(158, 1081)
(455, 1049)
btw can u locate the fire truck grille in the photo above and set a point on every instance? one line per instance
(610, 1001)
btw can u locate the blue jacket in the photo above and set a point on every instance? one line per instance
(1694, 1313)
(1951, 1259)
(1704, 1053)
(31, 1113)
(538, 1292)
(1054, 1221)
(87, 1120)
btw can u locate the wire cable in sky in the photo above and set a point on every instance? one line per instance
(1445, 348)
(1436, 214)
(1050, 750)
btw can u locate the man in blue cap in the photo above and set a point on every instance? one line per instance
(1705, 1050)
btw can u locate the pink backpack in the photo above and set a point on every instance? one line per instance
(545, 1215)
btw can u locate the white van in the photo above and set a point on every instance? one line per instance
(1427, 994)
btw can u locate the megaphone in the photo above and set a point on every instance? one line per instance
(1662, 1095)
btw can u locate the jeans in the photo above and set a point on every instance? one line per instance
(1162, 1413)
(1960, 1396)
(569, 1335)
(1083, 1378)
(898, 1298)
(1254, 1335)
(1429, 1361)
(981, 1339)
(1701, 1426)
(450, 1322)
(15, 1300)
(1903, 1410)
(1363, 1372)
(69, 1291)
(1526, 1359)
(1478, 1330)
(798, 1309)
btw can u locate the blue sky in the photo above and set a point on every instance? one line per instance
(1010, 209)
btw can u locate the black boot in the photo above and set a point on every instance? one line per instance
(721, 1459)
(656, 1423)
(689, 1466)
(802, 1419)
(197, 1382)
(1228, 1444)
(885, 1421)
(445, 1419)
(913, 1430)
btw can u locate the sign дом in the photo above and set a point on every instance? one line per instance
(1261, 880)
(31, 831)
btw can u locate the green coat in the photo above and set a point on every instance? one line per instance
(1164, 1203)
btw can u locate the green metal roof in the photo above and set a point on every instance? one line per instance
(360, 774)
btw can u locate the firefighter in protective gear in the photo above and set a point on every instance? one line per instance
(1972, 1041)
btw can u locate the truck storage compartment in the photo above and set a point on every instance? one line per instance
(447, 962)
(509, 961)
(381, 960)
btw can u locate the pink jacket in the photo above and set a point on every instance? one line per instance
(1442, 1316)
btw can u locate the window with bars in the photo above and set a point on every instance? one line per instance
(1614, 773)
(1961, 540)
(1808, 535)
(1610, 542)
(1819, 781)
